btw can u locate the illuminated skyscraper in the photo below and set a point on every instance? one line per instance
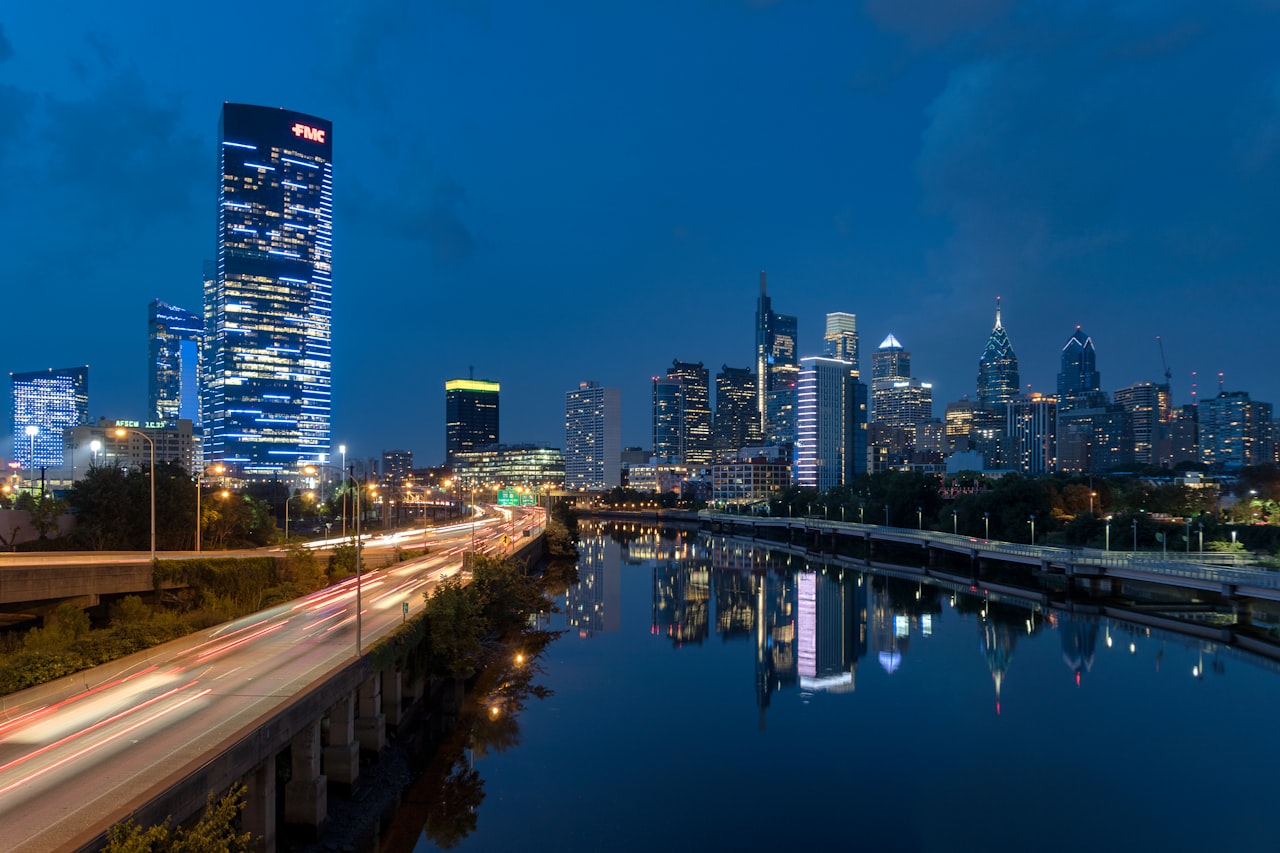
(175, 338)
(267, 309)
(737, 422)
(45, 403)
(831, 424)
(1234, 430)
(777, 368)
(471, 416)
(1079, 383)
(592, 437)
(841, 339)
(998, 380)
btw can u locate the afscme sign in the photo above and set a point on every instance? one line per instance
(307, 132)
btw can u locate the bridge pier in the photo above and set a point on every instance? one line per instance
(259, 815)
(393, 696)
(342, 755)
(306, 796)
(1242, 609)
(371, 725)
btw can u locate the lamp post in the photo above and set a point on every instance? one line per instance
(311, 469)
(342, 448)
(1188, 536)
(1200, 527)
(919, 518)
(986, 525)
(1107, 546)
(94, 447)
(1135, 536)
(886, 515)
(121, 432)
(217, 469)
(31, 431)
(1032, 519)
(955, 522)
(308, 496)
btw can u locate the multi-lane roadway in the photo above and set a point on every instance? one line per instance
(79, 754)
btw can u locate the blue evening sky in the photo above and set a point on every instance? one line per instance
(557, 191)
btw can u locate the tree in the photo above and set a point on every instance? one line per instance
(455, 627)
(214, 832)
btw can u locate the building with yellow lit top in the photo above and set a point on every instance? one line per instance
(471, 416)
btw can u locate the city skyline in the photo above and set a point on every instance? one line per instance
(1010, 155)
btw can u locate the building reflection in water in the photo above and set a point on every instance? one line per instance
(811, 622)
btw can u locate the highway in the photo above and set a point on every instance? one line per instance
(78, 754)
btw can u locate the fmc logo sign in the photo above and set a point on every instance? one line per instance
(307, 132)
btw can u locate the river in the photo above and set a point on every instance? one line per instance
(706, 694)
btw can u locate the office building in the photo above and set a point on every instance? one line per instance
(1148, 406)
(1031, 425)
(831, 424)
(592, 437)
(1094, 440)
(777, 368)
(267, 308)
(175, 340)
(45, 403)
(100, 444)
(396, 465)
(998, 380)
(899, 404)
(1079, 383)
(1235, 431)
(668, 419)
(471, 416)
(841, 339)
(532, 466)
(749, 478)
(737, 420)
(695, 392)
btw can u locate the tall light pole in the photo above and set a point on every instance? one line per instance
(1108, 539)
(342, 448)
(94, 447)
(311, 469)
(217, 469)
(1032, 519)
(986, 525)
(121, 432)
(32, 431)
(1135, 536)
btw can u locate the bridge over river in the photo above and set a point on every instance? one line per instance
(1193, 571)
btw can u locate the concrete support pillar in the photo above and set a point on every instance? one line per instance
(1243, 611)
(259, 815)
(306, 797)
(393, 696)
(871, 549)
(342, 754)
(371, 724)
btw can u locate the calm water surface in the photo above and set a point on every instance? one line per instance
(708, 696)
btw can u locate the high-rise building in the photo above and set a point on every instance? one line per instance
(470, 415)
(777, 368)
(592, 437)
(45, 403)
(267, 309)
(737, 421)
(396, 465)
(1235, 431)
(695, 392)
(668, 419)
(1148, 406)
(841, 340)
(175, 339)
(1094, 440)
(891, 362)
(1032, 429)
(831, 424)
(1079, 383)
(998, 380)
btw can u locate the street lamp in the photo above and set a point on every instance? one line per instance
(986, 525)
(94, 447)
(1200, 527)
(919, 518)
(121, 432)
(886, 515)
(955, 522)
(1135, 536)
(32, 431)
(1108, 539)
(1033, 528)
(308, 496)
(217, 469)
(310, 470)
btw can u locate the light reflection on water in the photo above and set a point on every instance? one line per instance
(710, 694)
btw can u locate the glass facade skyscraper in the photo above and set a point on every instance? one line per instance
(175, 338)
(46, 402)
(737, 421)
(592, 437)
(777, 368)
(998, 380)
(1079, 383)
(268, 307)
(831, 424)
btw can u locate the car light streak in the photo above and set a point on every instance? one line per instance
(37, 713)
(226, 647)
(89, 730)
(76, 756)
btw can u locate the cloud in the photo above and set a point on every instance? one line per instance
(423, 212)
(6, 49)
(926, 23)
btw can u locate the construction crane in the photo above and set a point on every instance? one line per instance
(1168, 374)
